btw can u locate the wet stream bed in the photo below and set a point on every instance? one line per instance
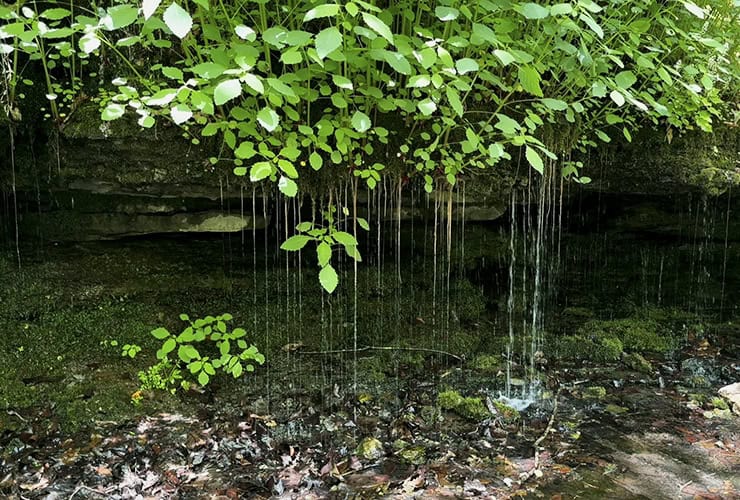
(424, 420)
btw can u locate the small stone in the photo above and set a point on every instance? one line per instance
(415, 455)
(732, 394)
(370, 449)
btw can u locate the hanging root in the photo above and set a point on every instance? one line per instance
(387, 348)
(535, 471)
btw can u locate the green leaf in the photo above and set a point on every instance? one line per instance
(617, 97)
(316, 161)
(397, 61)
(148, 7)
(281, 87)
(323, 252)
(295, 243)
(426, 57)
(146, 121)
(378, 26)
(254, 83)
(507, 124)
(505, 57)
(586, 18)
(268, 118)
(482, 34)
(625, 79)
(171, 72)
(533, 11)
(361, 122)
(55, 14)
(561, 9)
(113, 111)
(529, 78)
(226, 91)
(363, 224)
(203, 378)
(177, 20)
(328, 278)
(245, 150)
(418, 81)
(160, 333)
(695, 9)
(344, 238)
(180, 113)
(208, 70)
(89, 43)
(292, 56)
(320, 11)
(534, 159)
(327, 41)
(245, 33)
(120, 16)
(446, 13)
(427, 107)
(240, 171)
(454, 99)
(466, 65)
(168, 346)
(555, 104)
(598, 89)
(342, 82)
(603, 136)
(287, 186)
(260, 170)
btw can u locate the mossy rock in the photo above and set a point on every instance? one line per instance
(508, 413)
(370, 449)
(639, 335)
(487, 363)
(594, 392)
(637, 362)
(473, 409)
(468, 407)
(580, 347)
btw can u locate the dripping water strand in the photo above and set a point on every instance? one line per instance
(724, 255)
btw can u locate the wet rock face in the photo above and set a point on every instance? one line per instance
(732, 394)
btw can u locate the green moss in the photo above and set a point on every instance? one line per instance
(468, 407)
(449, 400)
(580, 347)
(473, 409)
(594, 392)
(720, 403)
(636, 334)
(508, 413)
(487, 363)
(638, 363)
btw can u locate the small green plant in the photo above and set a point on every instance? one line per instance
(162, 376)
(218, 349)
(130, 350)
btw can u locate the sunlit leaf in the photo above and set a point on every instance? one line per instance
(177, 20)
(327, 41)
(226, 91)
(328, 278)
(534, 159)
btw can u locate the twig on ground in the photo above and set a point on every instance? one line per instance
(92, 490)
(526, 475)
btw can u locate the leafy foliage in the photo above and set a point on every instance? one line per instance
(218, 348)
(439, 89)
